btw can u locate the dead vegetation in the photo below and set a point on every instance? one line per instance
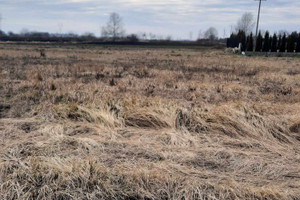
(91, 122)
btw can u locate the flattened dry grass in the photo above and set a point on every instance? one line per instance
(92, 122)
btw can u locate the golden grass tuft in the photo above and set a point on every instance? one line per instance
(145, 118)
(241, 121)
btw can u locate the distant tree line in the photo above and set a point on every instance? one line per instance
(209, 39)
(113, 32)
(67, 37)
(89, 38)
(282, 42)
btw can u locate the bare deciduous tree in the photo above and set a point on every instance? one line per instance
(24, 31)
(114, 27)
(211, 34)
(200, 34)
(245, 23)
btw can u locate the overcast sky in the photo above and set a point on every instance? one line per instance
(163, 17)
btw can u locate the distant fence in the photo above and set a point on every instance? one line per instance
(273, 54)
(100, 41)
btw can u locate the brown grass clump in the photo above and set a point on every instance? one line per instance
(191, 121)
(95, 122)
(295, 128)
(245, 122)
(145, 119)
(88, 180)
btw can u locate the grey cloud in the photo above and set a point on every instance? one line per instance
(176, 17)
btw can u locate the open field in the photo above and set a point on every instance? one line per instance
(92, 122)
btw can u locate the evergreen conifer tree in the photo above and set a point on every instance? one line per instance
(291, 43)
(279, 42)
(232, 35)
(270, 42)
(250, 42)
(292, 40)
(247, 42)
(258, 42)
(283, 43)
(295, 36)
(266, 42)
(274, 43)
(298, 44)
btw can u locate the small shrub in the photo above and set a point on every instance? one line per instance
(192, 88)
(293, 72)
(190, 121)
(52, 86)
(276, 87)
(99, 76)
(150, 90)
(142, 72)
(3, 110)
(39, 76)
(295, 128)
(251, 72)
(220, 88)
(43, 53)
(112, 82)
(176, 54)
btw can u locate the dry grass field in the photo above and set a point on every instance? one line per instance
(96, 122)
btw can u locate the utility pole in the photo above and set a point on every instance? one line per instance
(258, 15)
(1, 18)
(60, 27)
(0, 21)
